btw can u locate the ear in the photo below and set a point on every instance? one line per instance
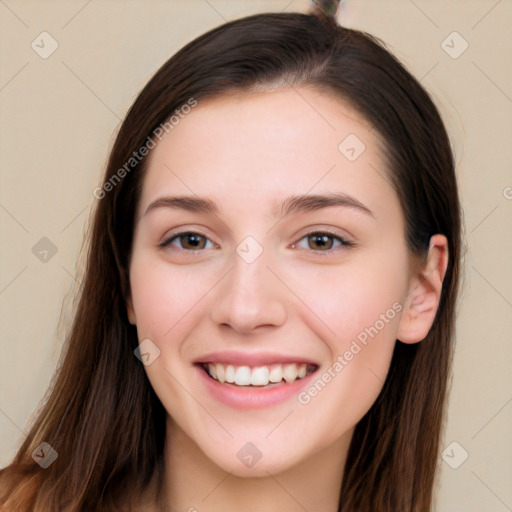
(130, 311)
(424, 293)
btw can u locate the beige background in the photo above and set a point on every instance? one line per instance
(58, 117)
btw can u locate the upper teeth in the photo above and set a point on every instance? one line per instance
(257, 376)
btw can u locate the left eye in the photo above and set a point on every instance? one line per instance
(324, 241)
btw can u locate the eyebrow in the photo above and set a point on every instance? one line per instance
(292, 205)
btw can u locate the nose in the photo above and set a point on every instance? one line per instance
(249, 297)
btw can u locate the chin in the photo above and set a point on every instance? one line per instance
(262, 468)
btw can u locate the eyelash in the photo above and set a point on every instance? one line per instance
(342, 241)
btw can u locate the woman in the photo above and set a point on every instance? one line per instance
(267, 315)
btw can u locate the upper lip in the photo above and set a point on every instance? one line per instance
(252, 359)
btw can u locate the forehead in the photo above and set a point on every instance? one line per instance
(274, 143)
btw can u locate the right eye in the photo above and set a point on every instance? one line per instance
(187, 240)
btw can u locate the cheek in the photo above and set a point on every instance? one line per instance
(161, 297)
(360, 304)
(165, 301)
(365, 324)
(347, 299)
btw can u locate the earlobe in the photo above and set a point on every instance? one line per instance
(424, 295)
(129, 311)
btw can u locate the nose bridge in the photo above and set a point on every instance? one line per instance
(250, 295)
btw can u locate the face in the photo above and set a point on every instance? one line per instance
(269, 250)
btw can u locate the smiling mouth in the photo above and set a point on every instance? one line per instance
(257, 376)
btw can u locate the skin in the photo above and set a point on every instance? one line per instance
(248, 153)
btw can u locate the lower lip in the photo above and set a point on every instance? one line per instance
(245, 397)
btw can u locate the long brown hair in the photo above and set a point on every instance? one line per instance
(101, 414)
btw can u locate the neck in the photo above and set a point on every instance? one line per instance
(194, 483)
